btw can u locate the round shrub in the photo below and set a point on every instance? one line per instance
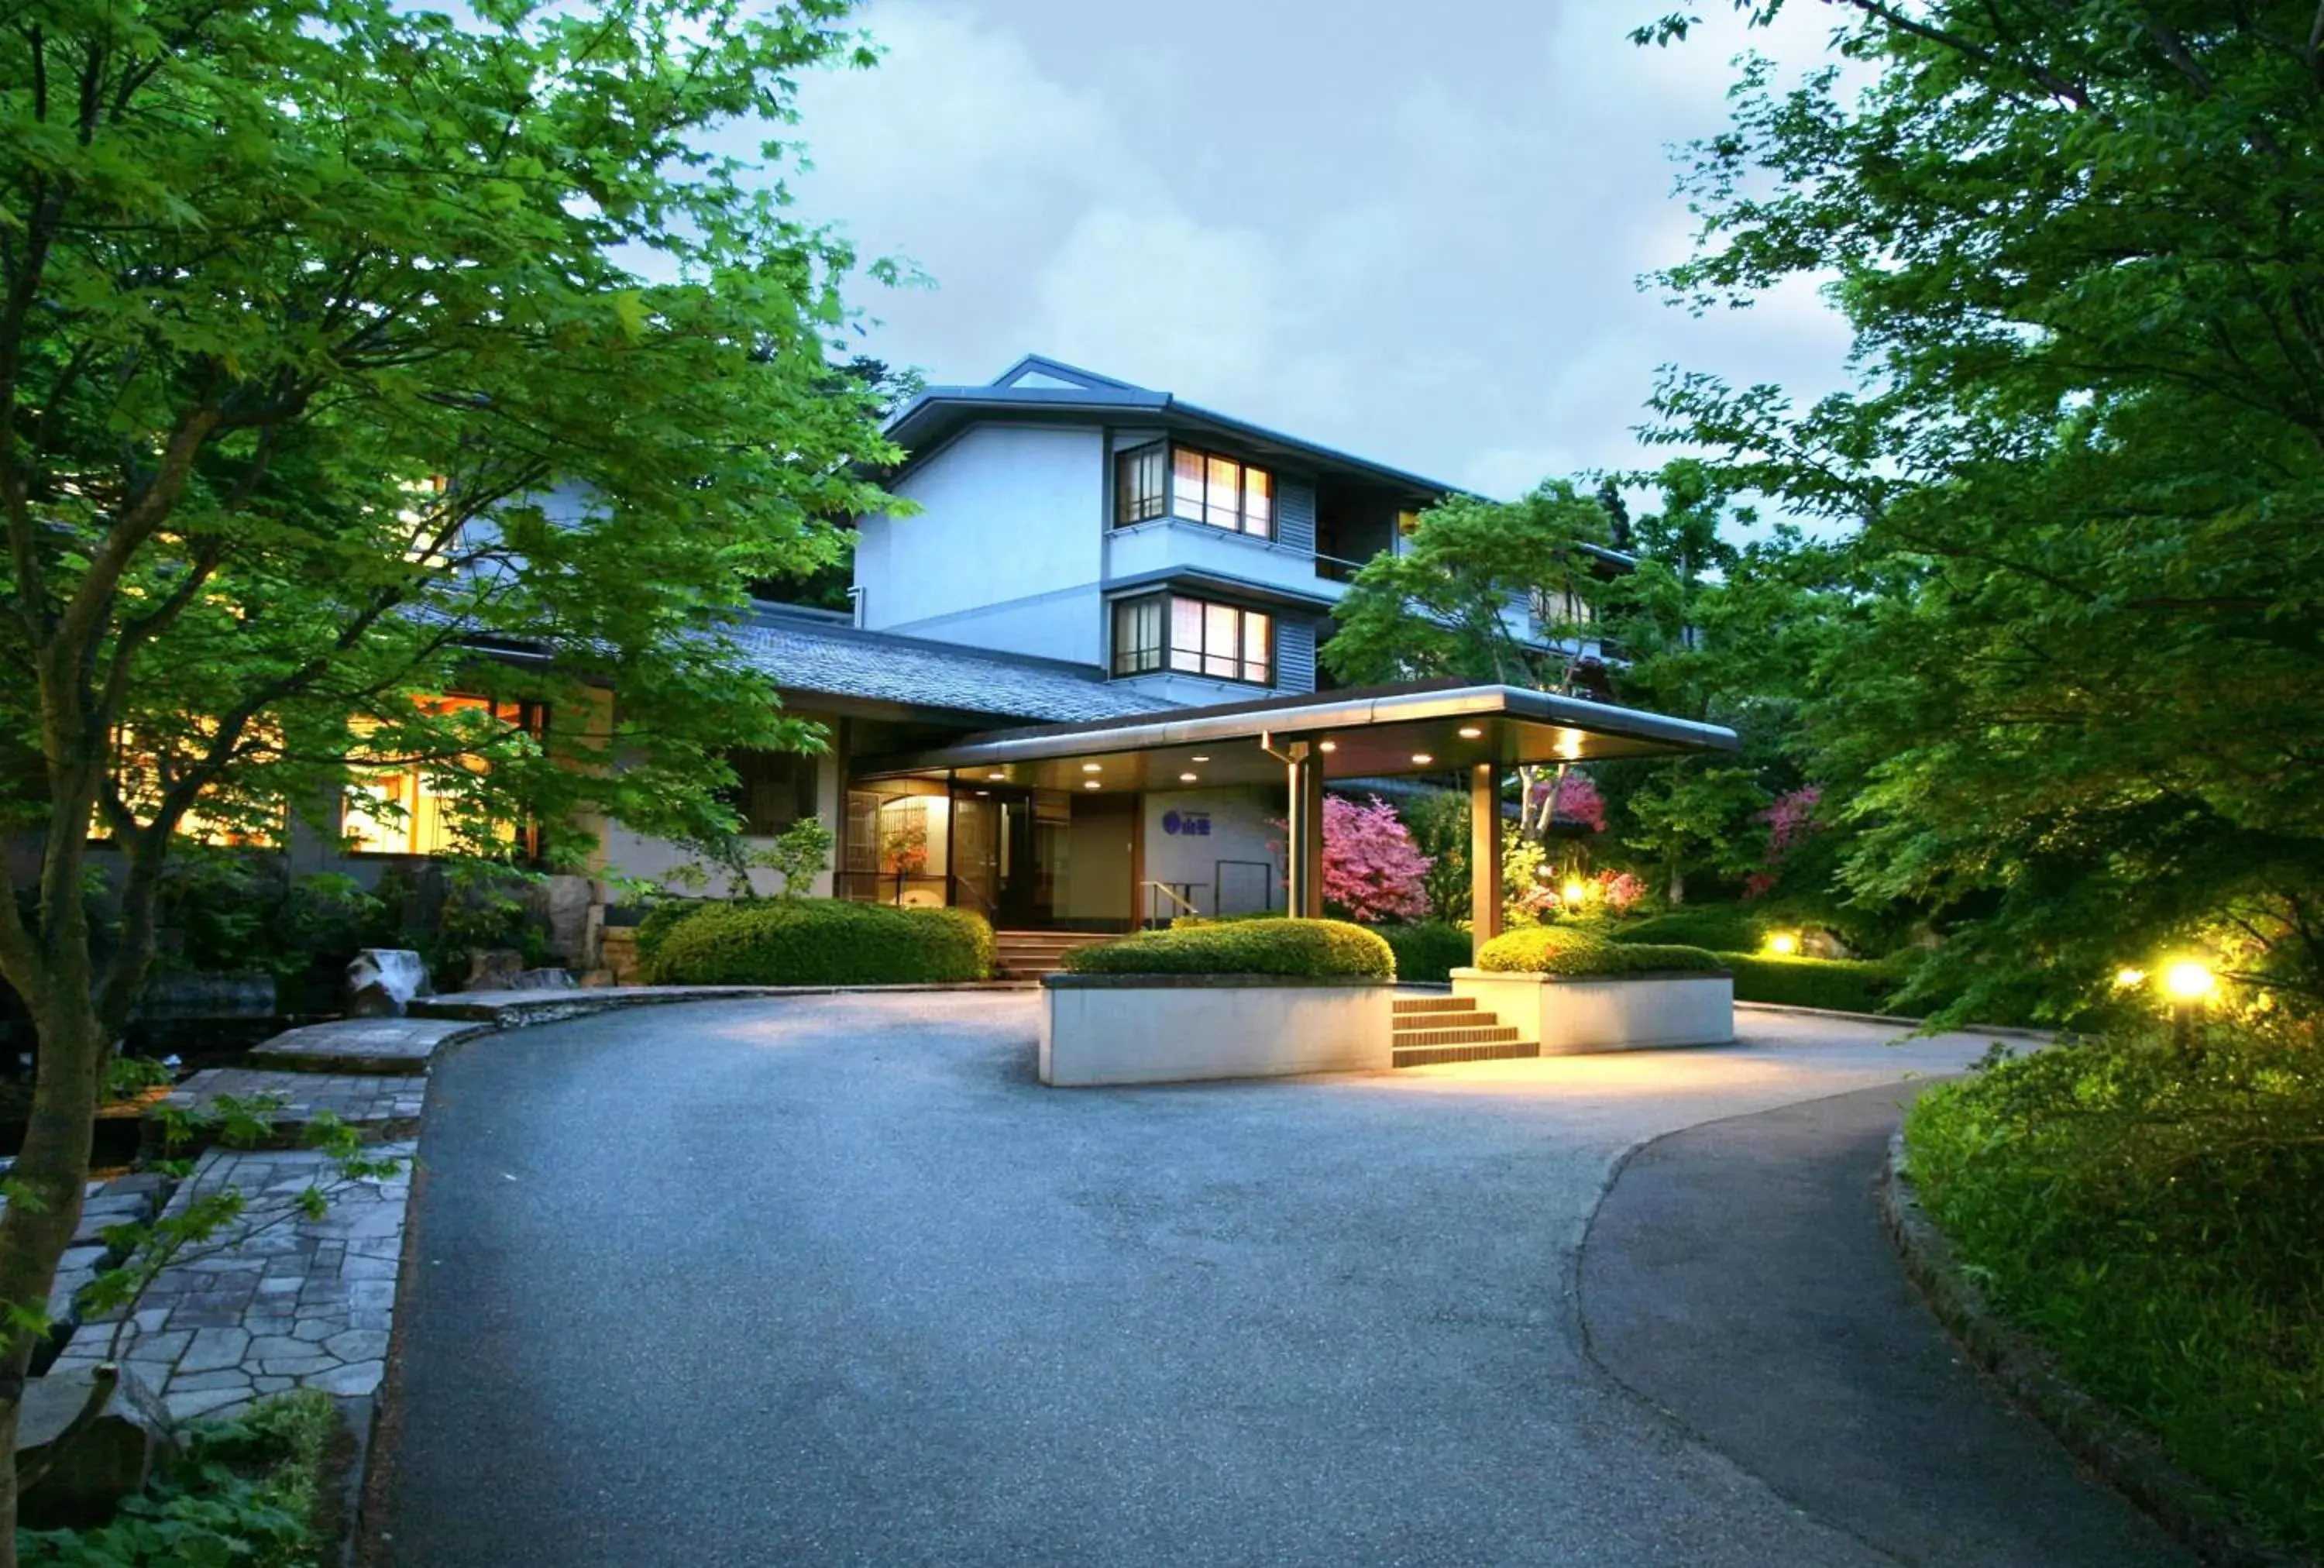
(667, 916)
(1307, 949)
(1429, 951)
(822, 942)
(1721, 928)
(1561, 950)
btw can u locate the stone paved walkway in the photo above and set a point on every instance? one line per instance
(388, 1045)
(276, 1302)
(378, 1107)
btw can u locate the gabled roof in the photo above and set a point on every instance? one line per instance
(808, 651)
(1038, 387)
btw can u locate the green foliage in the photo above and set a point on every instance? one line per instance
(666, 916)
(2152, 1217)
(1275, 946)
(1722, 928)
(1841, 984)
(1430, 950)
(2071, 699)
(1572, 953)
(821, 942)
(1439, 823)
(798, 854)
(1440, 607)
(242, 1496)
(241, 910)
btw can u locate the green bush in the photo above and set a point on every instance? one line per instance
(1428, 951)
(245, 1493)
(2153, 1218)
(1721, 928)
(820, 942)
(1307, 948)
(667, 916)
(1841, 984)
(1572, 953)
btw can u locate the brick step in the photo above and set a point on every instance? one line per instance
(1436, 1055)
(1408, 1004)
(1485, 1033)
(1024, 954)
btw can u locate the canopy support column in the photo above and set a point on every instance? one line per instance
(1484, 855)
(1304, 855)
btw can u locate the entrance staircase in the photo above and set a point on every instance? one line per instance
(1431, 1029)
(1030, 954)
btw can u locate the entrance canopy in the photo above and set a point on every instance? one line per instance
(1437, 727)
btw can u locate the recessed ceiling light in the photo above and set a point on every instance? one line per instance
(1331, 746)
(1092, 784)
(996, 773)
(1187, 779)
(1422, 758)
(1470, 732)
(1198, 759)
(986, 793)
(1093, 767)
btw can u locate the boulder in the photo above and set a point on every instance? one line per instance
(542, 979)
(83, 1476)
(492, 969)
(382, 981)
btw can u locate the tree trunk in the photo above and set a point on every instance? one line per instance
(1675, 892)
(44, 1203)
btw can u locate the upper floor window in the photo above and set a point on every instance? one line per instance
(426, 807)
(1163, 480)
(1193, 637)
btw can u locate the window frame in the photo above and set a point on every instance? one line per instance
(1170, 656)
(1174, 503)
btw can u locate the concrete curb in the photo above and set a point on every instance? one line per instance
(2005, 1031)
(508, 1010)
(2121, 1451)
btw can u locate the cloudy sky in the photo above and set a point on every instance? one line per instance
(1412, 234)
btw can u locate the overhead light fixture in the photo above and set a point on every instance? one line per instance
(996, 773)
(1092, 784)
(1422, 758)
(1188, 778)
(1329, 746)
(1093, 767)
(1471, 732)
(985, 793)
(1198, 759)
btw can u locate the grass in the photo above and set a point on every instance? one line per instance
(249, 1492)
(2154, 1219)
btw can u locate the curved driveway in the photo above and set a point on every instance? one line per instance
(833, 1280)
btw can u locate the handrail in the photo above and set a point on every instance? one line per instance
(1167, 891)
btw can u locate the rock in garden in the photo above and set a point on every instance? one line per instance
(542, 979)
(382, 981)
(108, 1460)
(493, 968)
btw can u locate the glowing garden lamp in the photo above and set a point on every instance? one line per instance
(2125, 977)
(1574, 892)
(1783, 945)
(2189, 984)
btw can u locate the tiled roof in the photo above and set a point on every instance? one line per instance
(808, 654)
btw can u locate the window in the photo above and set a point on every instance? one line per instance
(1162, 480)
(1555, 607)
(1223, 641)
(417, 808)
(1138, 483)
(772, 789)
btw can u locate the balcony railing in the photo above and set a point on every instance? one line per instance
(1334, 569)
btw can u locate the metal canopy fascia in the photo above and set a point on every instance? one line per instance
(1382, 734)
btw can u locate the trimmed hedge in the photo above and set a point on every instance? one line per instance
(1841, 984)
(821, 942)
(1562, 950)
(664, 917)
(1308, 949)
(1721, 928)
(1430, 951)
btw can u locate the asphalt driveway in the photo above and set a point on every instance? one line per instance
(835, 1281)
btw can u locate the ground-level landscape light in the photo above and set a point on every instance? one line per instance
(1574, 892)
(1783, 945)
(2189, 983)
(2125, 977)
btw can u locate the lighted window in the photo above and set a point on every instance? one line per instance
(1204, 487)
(139, 769)
(418, 808)
(1223, 641)
(1140, 487)
(772, 789)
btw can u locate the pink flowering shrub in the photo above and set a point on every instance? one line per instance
(1789, 820)
(1371, 867)
(1622, 891)
(1578, 802)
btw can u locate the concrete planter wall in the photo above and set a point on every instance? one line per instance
(1169, 1029)
(1608, 1012)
